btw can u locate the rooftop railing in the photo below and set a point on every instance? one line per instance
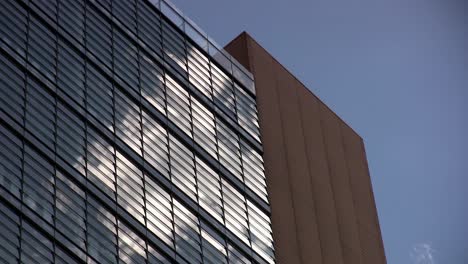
(206, 43)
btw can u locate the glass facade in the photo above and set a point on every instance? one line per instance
(126, 136)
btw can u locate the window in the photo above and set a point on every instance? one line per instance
(13, 21)
(121, 139)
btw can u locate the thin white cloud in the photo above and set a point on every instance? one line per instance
(422, 253)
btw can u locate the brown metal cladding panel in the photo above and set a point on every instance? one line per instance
(372, 252)
(351, 256)
(347, 221)
(366, 212)
(323, 208)
(238, 49)
(320, 177)
(360, 182)
(283, 222)
(303, 202)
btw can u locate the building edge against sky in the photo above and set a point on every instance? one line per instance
(322, 203)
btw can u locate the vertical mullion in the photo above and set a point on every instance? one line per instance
(55, 137)
(220, 176)
(117, 222)
(26, 77)
(142, 145)
(190, 98)
(85, 44)
(164, 71)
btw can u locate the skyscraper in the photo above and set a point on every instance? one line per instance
(129, 136)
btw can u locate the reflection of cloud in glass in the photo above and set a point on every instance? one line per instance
(106, 96)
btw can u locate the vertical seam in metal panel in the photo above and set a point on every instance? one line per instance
(325, 145)
(299, 249)
(306, 154)
(317, 104)
(282, 138)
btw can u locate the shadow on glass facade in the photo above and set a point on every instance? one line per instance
(124, 140)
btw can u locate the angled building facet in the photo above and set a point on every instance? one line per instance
(322, 204)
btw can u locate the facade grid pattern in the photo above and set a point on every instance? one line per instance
(124, 141)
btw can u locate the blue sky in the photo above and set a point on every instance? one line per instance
(397, 72)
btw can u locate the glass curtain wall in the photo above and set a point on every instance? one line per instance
(125, 140)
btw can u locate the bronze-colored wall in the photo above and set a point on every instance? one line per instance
(323, 208)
